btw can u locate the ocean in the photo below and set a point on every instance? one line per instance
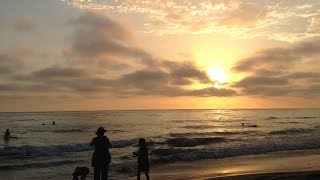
(46, 151)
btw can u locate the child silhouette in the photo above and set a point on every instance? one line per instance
(143, 159)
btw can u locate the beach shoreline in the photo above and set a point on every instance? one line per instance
(277, 165)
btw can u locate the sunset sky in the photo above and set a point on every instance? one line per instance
(159, 54)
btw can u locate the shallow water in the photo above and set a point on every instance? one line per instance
(53, 151)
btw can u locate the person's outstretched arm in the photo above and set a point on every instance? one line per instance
(109, 145)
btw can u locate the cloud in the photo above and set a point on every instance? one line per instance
(58, 72)
(240, 19)
(168, 79)
(24, 24)
(290, 71)
(224, 2)
(277, 58)
(9, 63)
(100, 38)
(261, 81)
(160, 83)
(95, 34)
(98, 47)
(245, 15)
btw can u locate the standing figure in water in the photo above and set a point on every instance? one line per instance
(101, 157)
(143, 159)
(7, 135)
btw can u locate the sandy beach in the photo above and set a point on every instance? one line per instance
(280, 165)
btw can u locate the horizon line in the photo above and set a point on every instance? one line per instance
(36, 111)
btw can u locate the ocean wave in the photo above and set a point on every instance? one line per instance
(304, 117)
(38, 165)
(200, 127)
(270, 118)
(190, 120)
(169, 155)
(68, 130)
(298, 117)
(192, 142)
(57, 149)
(154, 115)
(124, 143)
(291, 131)
(45, 150)
(27, 119)
(289, 122)
(213, 133)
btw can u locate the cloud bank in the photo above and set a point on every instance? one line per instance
(291, 71)
(96, 40)
(242, 19)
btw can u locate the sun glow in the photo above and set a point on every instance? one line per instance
(218, 76)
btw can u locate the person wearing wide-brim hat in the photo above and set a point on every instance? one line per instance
(101, 157)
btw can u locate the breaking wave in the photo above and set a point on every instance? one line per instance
(291, 131)
(58, 149)
(192, 142)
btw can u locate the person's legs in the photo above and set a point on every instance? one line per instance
(104, 173)
(106, 170)
(138, 175)
(96, 173)
(75, 177)
(147, 174)
(83, 177)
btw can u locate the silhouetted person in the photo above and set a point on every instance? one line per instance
(101, 157)
(7, 135)
(143, 159)
(53, 123)
(242, 124)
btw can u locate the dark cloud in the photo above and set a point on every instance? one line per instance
(184, 71)
(277, 58)
(166, 80)
(267, 90)
(261, 81)
(8, 87)
(290, 71)
(212, 91)
(304, 75)
(144, 79)
(59, 72)
(9, 63)
(28, 87)
(169, 81)
(95, 35)
(24, 24)
(95, 22)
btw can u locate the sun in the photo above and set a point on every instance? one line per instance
(218, 76)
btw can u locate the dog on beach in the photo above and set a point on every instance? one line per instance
(82, 172)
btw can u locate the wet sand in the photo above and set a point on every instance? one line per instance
(280, 165)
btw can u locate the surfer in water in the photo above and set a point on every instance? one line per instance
(7, 135)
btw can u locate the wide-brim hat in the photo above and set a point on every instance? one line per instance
(101, 130)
